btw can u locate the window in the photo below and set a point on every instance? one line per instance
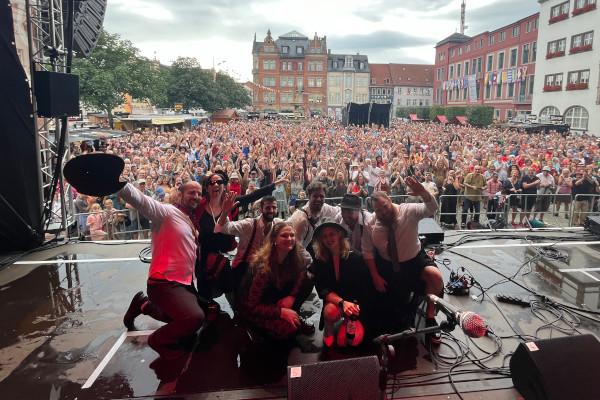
(583, 6)
(500, 60)
(466, 67)
(528, 26)
(531, 81)
(269, 81)
(556, 48)
(511, 90)
(300, 84)
(269, 97)
(311, 82)
(480, 43)
(525, 54)
(490, 62)
(498, 91)
(451, 53)
(577, 80)
(513, 57)
(319, 82)
(516, 30)
(460, 51)
(286, 66)
(458, 70)
(553, 82)
(559, 12)
(286, 97)
(577, 117)
(492, 40)
(468, 49)
(451, 72)
(299, 66)
(479, 65)
(286, 81)
(348, 80)
(548, 111)
(361, 65)
(582, 42)
(285, 49)
(502, 36)
(269, 65)
(533, 51)
(299, 50)
(348, 62)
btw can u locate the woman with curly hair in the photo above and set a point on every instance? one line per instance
(276, 276)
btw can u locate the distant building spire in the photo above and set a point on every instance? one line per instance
(463, 7)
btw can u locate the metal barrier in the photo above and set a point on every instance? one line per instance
(114, 226)
(577, 217)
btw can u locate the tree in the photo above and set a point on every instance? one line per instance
(113, 69)
(481, 115)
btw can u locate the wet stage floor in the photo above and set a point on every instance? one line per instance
(61, 320)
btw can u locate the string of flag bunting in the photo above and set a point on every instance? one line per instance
(511, 75)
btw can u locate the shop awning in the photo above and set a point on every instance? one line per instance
(167, 120)
(413, 117)
(461, 119)
(442, 119)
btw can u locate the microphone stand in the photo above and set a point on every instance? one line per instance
(386, 349)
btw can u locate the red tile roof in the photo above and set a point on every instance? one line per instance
(401, 75)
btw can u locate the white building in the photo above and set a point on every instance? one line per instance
(347, 81)
(568, 64)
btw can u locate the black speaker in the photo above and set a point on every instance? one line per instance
(57, 94)
(557, 369)
(88, 21)
(354, 378)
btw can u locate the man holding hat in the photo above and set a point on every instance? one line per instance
(546, 186)
(353, 218)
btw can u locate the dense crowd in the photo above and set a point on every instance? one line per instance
(478, 166)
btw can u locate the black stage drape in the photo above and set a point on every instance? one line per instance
(20, 189)
(366, 114)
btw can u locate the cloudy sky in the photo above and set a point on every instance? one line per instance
(222, 30)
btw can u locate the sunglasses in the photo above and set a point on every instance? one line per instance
(219, 182)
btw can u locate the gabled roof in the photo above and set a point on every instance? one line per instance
(454, 38)
(411, 74)
(293, 35)
(380, 74)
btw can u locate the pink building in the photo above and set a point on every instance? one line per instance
(495, 68)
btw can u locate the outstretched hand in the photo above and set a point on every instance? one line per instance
(416, 188)
(229, 202)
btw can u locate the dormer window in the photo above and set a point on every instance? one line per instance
(285, 49)
(299, 50)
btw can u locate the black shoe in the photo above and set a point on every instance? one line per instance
(306, 327)
(135, 309)
(434, 338)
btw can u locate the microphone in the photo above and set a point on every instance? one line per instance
(472, 324)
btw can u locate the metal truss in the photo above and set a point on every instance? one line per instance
(47, 52)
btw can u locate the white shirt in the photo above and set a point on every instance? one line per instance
(364, 217)
(304, 229)
(545, 182)
(406, 232)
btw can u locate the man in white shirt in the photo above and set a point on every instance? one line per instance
(354, 218)
(171, 297)
(306, 219)
(392, 239)
(545, 187)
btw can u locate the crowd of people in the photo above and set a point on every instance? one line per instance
(471, 167)
(219, 189)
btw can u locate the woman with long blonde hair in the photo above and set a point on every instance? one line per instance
(277, 274)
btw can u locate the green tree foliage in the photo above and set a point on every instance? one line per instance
(113, 69)
(481, 115)
(189, 84)
(422, 112)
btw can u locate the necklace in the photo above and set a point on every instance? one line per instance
(212, 214)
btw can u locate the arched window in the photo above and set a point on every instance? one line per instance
(548, 111)
(577, 118)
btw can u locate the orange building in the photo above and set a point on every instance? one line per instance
(290, 74)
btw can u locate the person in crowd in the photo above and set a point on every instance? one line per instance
(172, 297)
(563, 195)
(493, 190)
(529, 183)
(96, 223)
(343, 283)
(450, 192)
(584, 186)
(393, 253)
(513, 189)
(546, 186)
(277, 273)
(474, 184)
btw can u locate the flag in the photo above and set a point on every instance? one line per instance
(486, 79)
(504, 76)
(509, 76)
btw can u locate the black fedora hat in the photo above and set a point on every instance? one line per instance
(95, 174)
(351, 201)
(329, 224)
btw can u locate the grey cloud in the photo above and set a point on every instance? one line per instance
(376, 10)
(379, 40)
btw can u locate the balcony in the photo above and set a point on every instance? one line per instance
(523, 99)
(584, 9)
(555, 54)
(577, 86)
(558, 18)
(581, 49)
(552, 88)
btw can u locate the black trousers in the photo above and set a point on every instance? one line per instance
(177, 305)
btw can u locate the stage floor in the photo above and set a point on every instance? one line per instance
(62, 337)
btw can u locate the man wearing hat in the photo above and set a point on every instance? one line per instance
(353, 218)
(545, 187)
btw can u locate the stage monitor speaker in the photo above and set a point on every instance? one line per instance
(88, 22)
(557, 369)
(57, 94)
(354, 378)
